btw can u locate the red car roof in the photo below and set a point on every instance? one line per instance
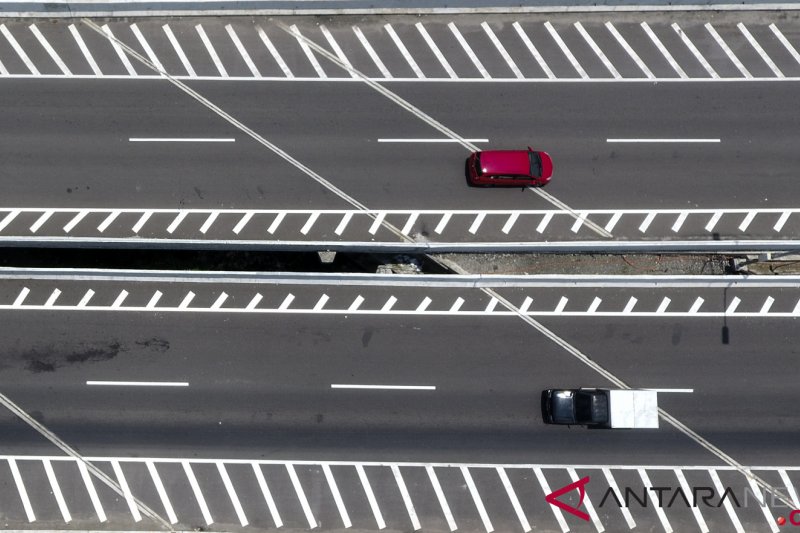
(506, 162)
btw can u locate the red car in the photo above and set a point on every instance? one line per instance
(509, 168)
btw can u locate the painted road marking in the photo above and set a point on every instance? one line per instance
(562, 303)
(262, 484)
(162, 493)
(126, 491)
(242, 51)
(630, 305)
(726, 503)
(696, 305)
(307, 51)
(502, 50)
(23, 493)
(631, 52)
(337, 497)
(337, 49)
(727, 50)
(371, 52)
(243, 222)
(18, 49)
(140, 383)
(437, 488)
(662, 307)
(457, 305)
(181, 139)
(301, 495)
(146, 46)
(409, 225)
(594, 305)
(75, 220)
(309, 223)
(274, 52)
(647, 221)
(237, 505)
(693, 49)
(179, 51)
(752, 40)
(21, 297)
(612, 483)
(142, 221)
(785, 42)
(41, 220)
(613, 221)
(254, 302)
(579, 220)
(154, 300)
(733, 305)
(108, 220)
(343, 223)
(676, 227)
(767, 305)
(356, 303)
(442, 223)
(476, 224)
(321, 302)
(383, 387)
(198, 494)
(396, 140)
(468, 50)
(424, 305)
(8, 218)
(663, 140)
(545, 221)
(747, 220)
(404, 51)
(762, 503)
(476, 497)
(86, 297)
(512, 219)
(587, 502)
(782, 221)
(275, 223)
(90, 489)
(712, 222)
(534, 51)
(512, 496)
(120, 298)
(286, 302)
(565, 50)
(654, 500)
(56, 488)
(593, 45)
(789, 488)
(373, 503)
(51, 300)
(435, 49)
(526, 304)
(401, 485)
(211, 51)
(663, 49)
(546, 489)
(49, 49)
(123, 57)
(695, 510)
(85, 50)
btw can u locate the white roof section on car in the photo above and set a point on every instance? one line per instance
(633, 409)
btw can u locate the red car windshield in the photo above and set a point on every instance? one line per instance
(536, 164)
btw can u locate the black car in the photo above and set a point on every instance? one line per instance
(575, 406)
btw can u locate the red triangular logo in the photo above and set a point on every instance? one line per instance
(581, 486)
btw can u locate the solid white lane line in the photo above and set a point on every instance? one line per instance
(286, 302)
(594, 305)
(437, 488)
(782, 220)
(309, 223)
(676, 227)
(262, 483)
(733, 305)
(21, 297)
(404, 51)
(631, 52)
(140, 383)
(698, 516)
(389, 304)
(772, 66)
(401, 485)
(693, 49)
(179, 50)
(662, 307)
(177, 221)
(120, 298)
(579, 220)
(198, 494)
(126, 491)
(435, 49)
(146, 46)
(51, 300)
(162, 493)
(512, 219)
(663, 49)
(49, 49)
(56, 489)
(762, 504)
(562, 303)
(337, 497)
(154, 300)
(321, 302)
(90, 489)
(356, 303)
(544, 222)
(212, 217)
(275, 223)
(424, 304)
(728, 52)
(23, 493)
(712, 222)
(613, 221)
(75, 220)
(274, 51)
(468, 50)
(737, 525)
(663, 140)
(371, 52)
(502, 49)
(108, 220)
(442, 223)
(18, 49)
(512, 496)
(546, 489)
(343, 223)
(86, 297)
(457, 305)
(373, 503)
(336, 48)
(242, 222)
(142, 221)
(438, 140)
(767, 305)
(789, 488)
(242, 51)
(8, 218)
(534, 52)
(747, 220)
(785, 42)
(696, 305)
(630, 305)
(298, 488)
(526, 304)
(237, 505)
(654, 500)
(41, 220)
(123, 57)
(598, 52)
(612, 483)
(211, 51)
(382, 387)
(568, 210)
(565, 50)
(85, 50)
(308, 53)
(647, 221)
(587, 502)
(219, 301)
(476, 497)
(254, 302)
(477, 223)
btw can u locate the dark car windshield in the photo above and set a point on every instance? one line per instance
(536, 164)
(591, 408)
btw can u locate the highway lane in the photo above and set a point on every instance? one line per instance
(261, 383)
(81, 155)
